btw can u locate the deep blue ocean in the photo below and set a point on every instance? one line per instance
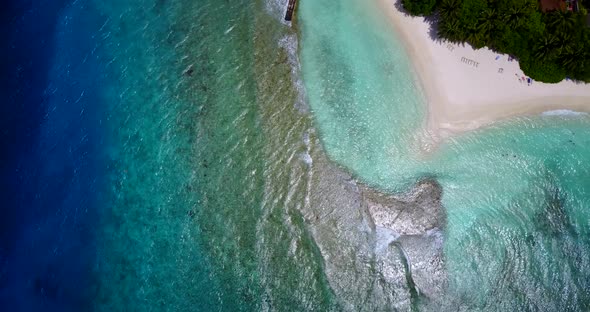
(113, 120)
(52, 168)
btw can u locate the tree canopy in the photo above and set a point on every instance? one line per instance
(419, 7)
(549, 46)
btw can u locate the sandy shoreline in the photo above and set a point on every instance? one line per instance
(467, 89)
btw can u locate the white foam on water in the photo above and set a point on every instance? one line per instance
(306, 158)
(291, 46)
(309, 161)
(278, 9)
(563, 112)
(306, 139)
(229, 29)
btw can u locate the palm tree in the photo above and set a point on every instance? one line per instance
(486, 24)
(571, 58)
(514, 17)
(450, 30)
(476, 38)
(562, 21)
(449, 9)
(564, 41)
(545, 48)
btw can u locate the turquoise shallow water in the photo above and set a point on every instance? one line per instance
(207, 169)
(516, 194)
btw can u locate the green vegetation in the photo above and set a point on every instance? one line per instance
(549, 46)
(420, 7)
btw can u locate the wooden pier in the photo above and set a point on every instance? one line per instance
(290, 10)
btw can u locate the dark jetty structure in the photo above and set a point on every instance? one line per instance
(290, 10)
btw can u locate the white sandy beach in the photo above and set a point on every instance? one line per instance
(467, 88)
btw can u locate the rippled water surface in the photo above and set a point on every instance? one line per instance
(516, 195)
(205, 155)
